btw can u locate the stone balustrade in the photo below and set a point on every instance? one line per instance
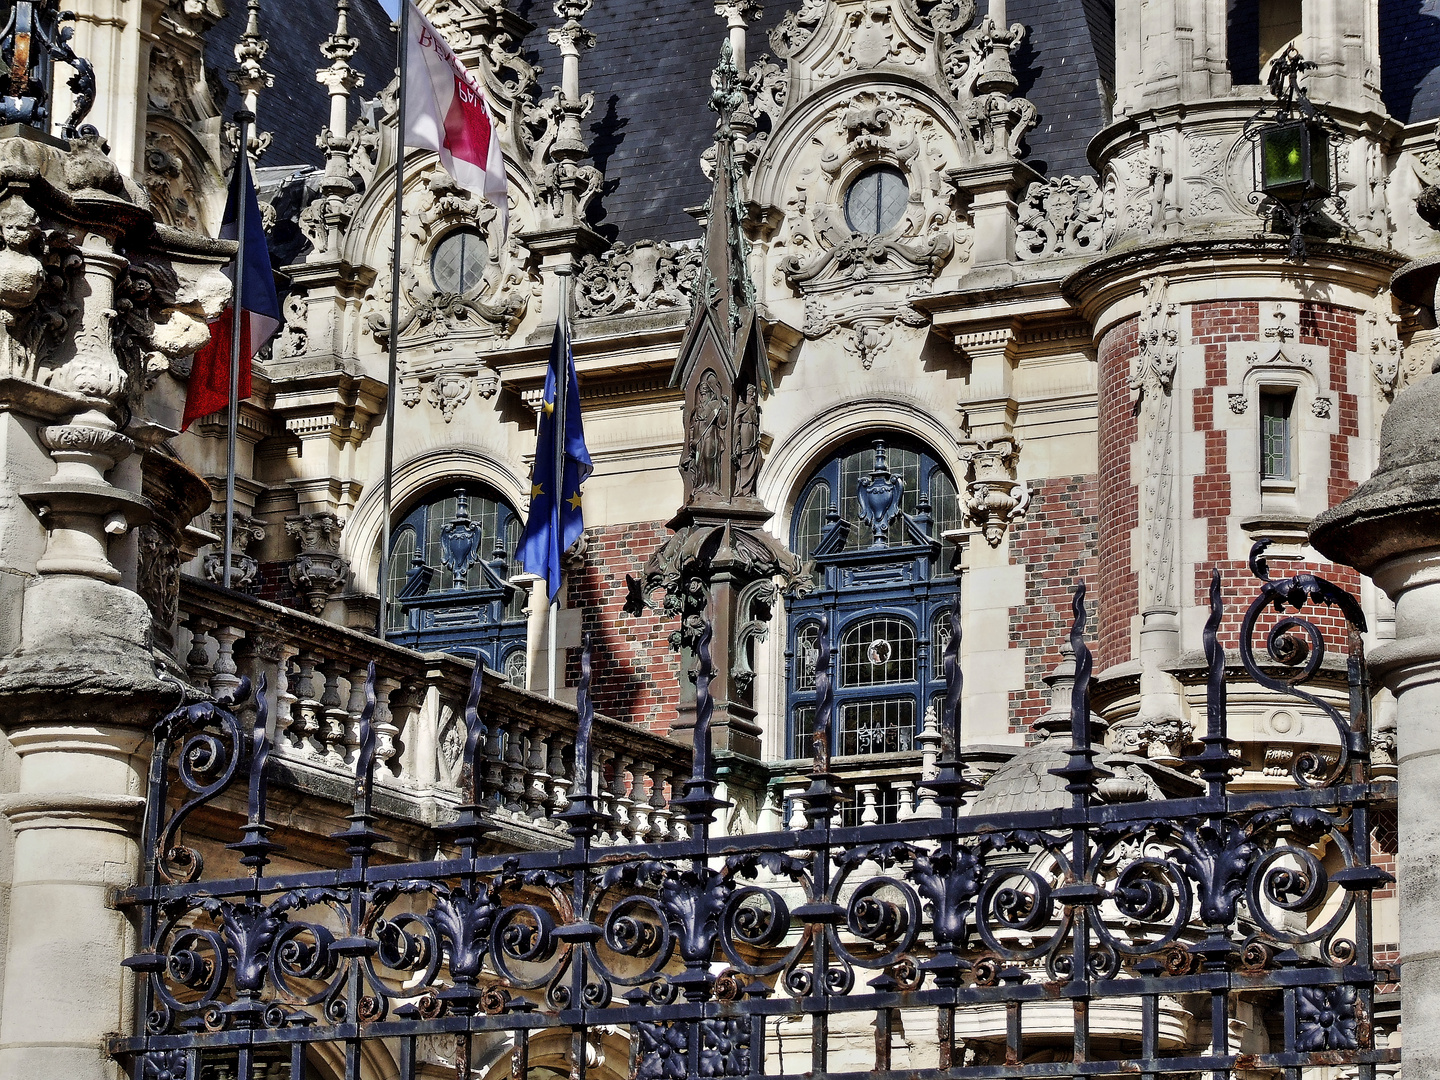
(315, 675)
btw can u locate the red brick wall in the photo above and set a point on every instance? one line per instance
(1056, 545)
(1238, 587)
(1325, 324)
(636, 676)
(1213, 325)
(1119, 591)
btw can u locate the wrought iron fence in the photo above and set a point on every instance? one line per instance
(971, 927)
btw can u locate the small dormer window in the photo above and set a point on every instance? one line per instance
(876, 200)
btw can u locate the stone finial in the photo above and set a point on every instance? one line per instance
(328, 215)
(251, 77)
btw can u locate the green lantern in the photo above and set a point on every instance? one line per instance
(1295, 161)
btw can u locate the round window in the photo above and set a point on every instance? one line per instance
(459, 261)
(876, 200)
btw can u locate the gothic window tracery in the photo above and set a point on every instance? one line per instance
(871, 519)
(451, 557)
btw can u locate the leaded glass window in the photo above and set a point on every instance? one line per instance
(458, 262)
(451, 558)
(875, 202)
(1275, 437)
(872, 517)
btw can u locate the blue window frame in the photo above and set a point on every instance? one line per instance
(871, 518)
(450, 559)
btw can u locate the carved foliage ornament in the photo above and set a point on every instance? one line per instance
(994, 497)
(646, 276)
(1060, 218)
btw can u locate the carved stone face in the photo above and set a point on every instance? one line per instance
(19, 225)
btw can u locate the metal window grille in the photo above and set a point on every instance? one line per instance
(886, 726)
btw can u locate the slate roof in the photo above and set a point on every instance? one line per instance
(1410, 59)
(650, 75)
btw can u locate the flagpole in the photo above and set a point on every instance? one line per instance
(242, 164)
(562, 398)
(387, 499)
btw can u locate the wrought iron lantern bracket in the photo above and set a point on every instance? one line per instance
(1295, 154)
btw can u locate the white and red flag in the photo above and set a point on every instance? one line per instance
(446, 110)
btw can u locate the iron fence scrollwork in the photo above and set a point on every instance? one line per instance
(1022, 937)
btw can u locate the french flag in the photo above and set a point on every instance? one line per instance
(210, 373)
(446, 110)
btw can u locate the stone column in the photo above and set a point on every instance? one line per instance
(78, 687)
(1390, 530)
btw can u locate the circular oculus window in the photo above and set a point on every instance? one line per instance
(458, 262)
(876, 200)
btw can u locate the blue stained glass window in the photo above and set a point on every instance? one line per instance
(884, 596)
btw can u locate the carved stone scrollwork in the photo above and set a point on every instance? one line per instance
(645, 276)
(994, 498)
(318, 571)
(243, 567)
(443, 329)
(797, 28)
(1062, 217)
(997, 123)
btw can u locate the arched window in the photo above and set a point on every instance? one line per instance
(450, 561)
(872, 519)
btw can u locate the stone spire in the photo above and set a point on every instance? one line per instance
(567, 183)
(251, 78)
(333, 207)
(720, 565)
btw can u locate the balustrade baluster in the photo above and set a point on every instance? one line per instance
(620, 800)
(310, 723)
(559, 774)
(197, 660)
(336, 718)
(660, 816)
(867, 799)
(495, 768)
(284, 698)
(793, 801)
(904, 799)
(605, 797)
(639, 831)
(515, 782)
(537, 792)
(226, 677)
(386, 730)
(354, 706)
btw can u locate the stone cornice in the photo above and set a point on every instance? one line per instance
(1250, 265)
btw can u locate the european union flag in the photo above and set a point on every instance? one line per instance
(555, 523)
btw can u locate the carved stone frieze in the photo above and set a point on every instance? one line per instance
(1061, 217)
(994, 497)
(1392, 368)
(798, 27)
(644, 276)
(158, 574)
(318, 571)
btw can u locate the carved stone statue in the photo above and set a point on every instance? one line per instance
(747, 442)
(707, 435)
